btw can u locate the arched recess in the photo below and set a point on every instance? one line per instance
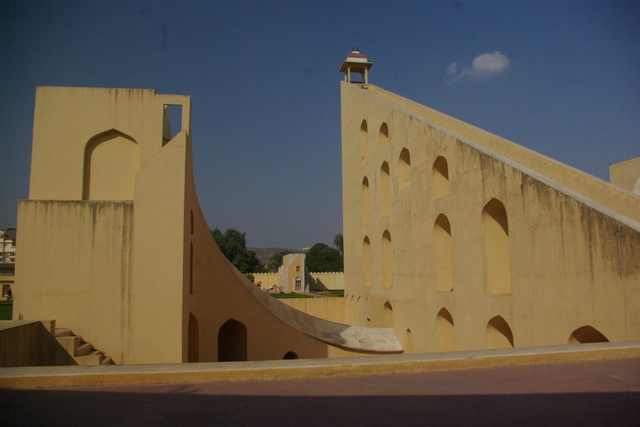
(365, 200)
(495, 248)
(232, 341)
(586, 334)
(193, 347)
(408, 342)
(387, 260)
(366, 262)
(290, 355)
(364, 142)
(440, 178)
(404, 168)
(384, 136)
(385, 189)
(499, 333)
(111, 161)
(387, 315)
(445, 330)
(442, 254)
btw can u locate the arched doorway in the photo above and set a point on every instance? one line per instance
(232, 341)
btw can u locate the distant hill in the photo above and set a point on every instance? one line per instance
(265, 254)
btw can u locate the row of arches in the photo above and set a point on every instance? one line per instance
(440, 183)
(498, 333)
(383, 140)
(495, 252)
(386, 261)
(232, 341)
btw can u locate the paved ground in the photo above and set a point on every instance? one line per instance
(586, 393)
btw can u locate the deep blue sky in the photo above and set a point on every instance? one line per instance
(264, 83)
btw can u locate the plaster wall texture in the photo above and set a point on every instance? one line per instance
(332, 309)
(566, 257)
(317, 281)
(141, 276)
(626, 175)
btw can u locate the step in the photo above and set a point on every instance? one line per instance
(83, 349)
(63, 332)
(69, 343)
(91, 359)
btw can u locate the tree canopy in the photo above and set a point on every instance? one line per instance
(323, 258)
(276, 261)
(233, 245)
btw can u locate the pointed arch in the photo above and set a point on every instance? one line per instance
(290, 355)
(495, 248)
(445, 330)
(365, 200)
(440, 178)
(404, 168)
(442, 254)
(499, 333)
(232, 341)
(384, 136)
(111, 161)
(364, 142)
(385, 189)
(366, 262)
(387, 260)
(387, 315)
(193, 345)
(586, 334)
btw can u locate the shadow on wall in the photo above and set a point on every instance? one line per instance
(29, 343)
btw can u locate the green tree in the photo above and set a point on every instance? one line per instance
(323, 258)
(233, 245)
(276, 261)
(339, 243)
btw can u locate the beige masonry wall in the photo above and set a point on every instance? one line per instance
(115, 247)
(325, 308)
(317, 281)
(463, 240)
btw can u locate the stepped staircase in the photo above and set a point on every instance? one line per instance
(81, 351)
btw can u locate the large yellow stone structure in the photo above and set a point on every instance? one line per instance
(454, 238)
(460, 239)
(134, 268)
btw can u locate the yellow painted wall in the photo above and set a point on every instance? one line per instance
(324, 308)
(570, 255)
(142, 278)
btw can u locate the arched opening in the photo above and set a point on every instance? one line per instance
(232, 341)
(442, 254)
(358, 314)
(495, 248)
(404, 168)
(387, 260)
(366, 262)
(365, 200)
(385, 189)
(193, 346)
(440, 178)
(384, 136)
(111, 161)
(387, 315)
(445, 330)
(586, 334)
(298, 284)
(499, 333)
(290, 355)
(408, 342)
(364, 142)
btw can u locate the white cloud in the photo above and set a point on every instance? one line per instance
(483, 66)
